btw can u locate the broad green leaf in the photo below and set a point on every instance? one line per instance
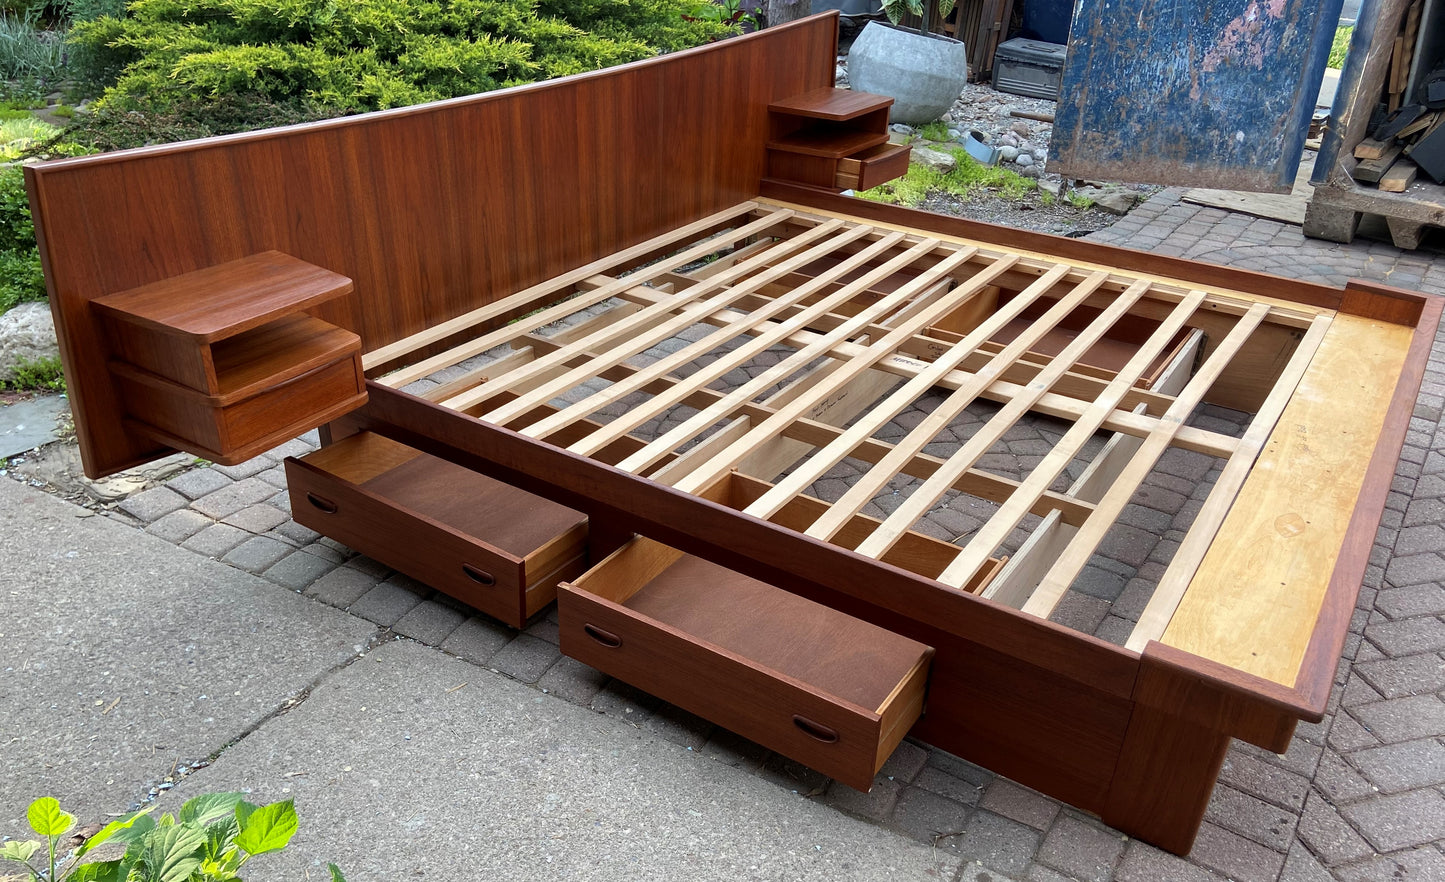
(219, 834)
(100, 871)
(172, 853)
(209, 807)
(268, 828)
(116, 829)
(244, 810)
(47, 819)
(15, 850)
(335, 873)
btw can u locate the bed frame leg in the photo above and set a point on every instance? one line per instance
(1164, 779)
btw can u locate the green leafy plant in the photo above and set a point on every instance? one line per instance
(1341, 45)
(934, 131)
(730, 12)
(210, 840)
(968, 177)
(924, 9)
(369, 54)
(38, 375)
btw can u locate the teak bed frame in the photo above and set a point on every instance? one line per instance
(633, 304)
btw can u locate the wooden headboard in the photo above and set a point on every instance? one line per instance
(431, 210)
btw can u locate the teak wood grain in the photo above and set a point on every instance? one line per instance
(425, 230)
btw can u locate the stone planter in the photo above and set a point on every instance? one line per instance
(923, 73)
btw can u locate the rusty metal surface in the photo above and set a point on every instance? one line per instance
(1212, 93)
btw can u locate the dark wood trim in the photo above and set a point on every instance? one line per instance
(1383, 302)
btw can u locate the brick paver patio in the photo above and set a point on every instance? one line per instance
(1360, 796)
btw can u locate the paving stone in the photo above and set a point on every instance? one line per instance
(545, 628)
(1128, 544)
(198, 482)
(954, 788)
(930, 818)
(573, 680)
(1405, 766)
(153, 504)
(1339, 781)
(275, 476)
(295, 533)
(1269, 825)
(428, 622)
(478, 639)
(1358, 692)
(298, 570)
(1264, 780)
(1347, 734)
(1402, 719)
(905, 763)
(1407, 636)
(1145, 863)
(324, 549)
(385, 603)
(959, 767)
(1415, 569)
(788, 774)
(1401, 821)
(875, 805)
(1018, 803)
(1412, 674)
(257, 518)
(525, 658)
(1412, 865)
(178, 526)
(233, 497)
(256, 554)
(341, 587)
(247, 469)
(1417, 600)
(1238, 858)
(1327, 834)
(997, 842)
(215, 540)
(1083, 851)
(1301, 866)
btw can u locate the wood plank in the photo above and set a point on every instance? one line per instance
(1172, 585)
(831, 104)
(478, 345)
(1371, 170)
(1271, 562)
(1400, 176)
(1369, 148)
(1062, 574)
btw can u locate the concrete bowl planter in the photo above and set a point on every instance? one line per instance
(923, 73)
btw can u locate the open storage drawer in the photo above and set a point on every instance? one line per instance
(498, 548)
(814, 684)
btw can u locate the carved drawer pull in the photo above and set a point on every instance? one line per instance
(606, 638)
(321, 502)
(816, 730)
(479, 576)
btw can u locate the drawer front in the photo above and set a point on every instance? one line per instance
(837, 739)
(866, 170)
(462, 566)
(311, 393)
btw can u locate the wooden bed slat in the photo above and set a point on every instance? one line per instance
(481, 344)
(1190, 554)
(1062, 574)
(660, 321)
(924, 497)
(386, 355)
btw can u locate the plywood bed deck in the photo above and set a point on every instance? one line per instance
(664, 360)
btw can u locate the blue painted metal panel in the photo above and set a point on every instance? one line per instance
(1213, 93)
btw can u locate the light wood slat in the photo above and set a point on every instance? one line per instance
(1089, 421)
(481, 344)
(1062, 574)
(984, 485)
(1170, 590)
(872, 354)
(1065, 407)
(924, 498)
(726, 332)
(820, 462)
(661, 321)
(747, 391)
(709, 270)
(385, 355)
(1164, 290)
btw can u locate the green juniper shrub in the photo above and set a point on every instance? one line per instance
(20, 275)
(368, 54)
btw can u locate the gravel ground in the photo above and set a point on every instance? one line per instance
(982, 109)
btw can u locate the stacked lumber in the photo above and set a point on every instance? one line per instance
(1410, 138)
